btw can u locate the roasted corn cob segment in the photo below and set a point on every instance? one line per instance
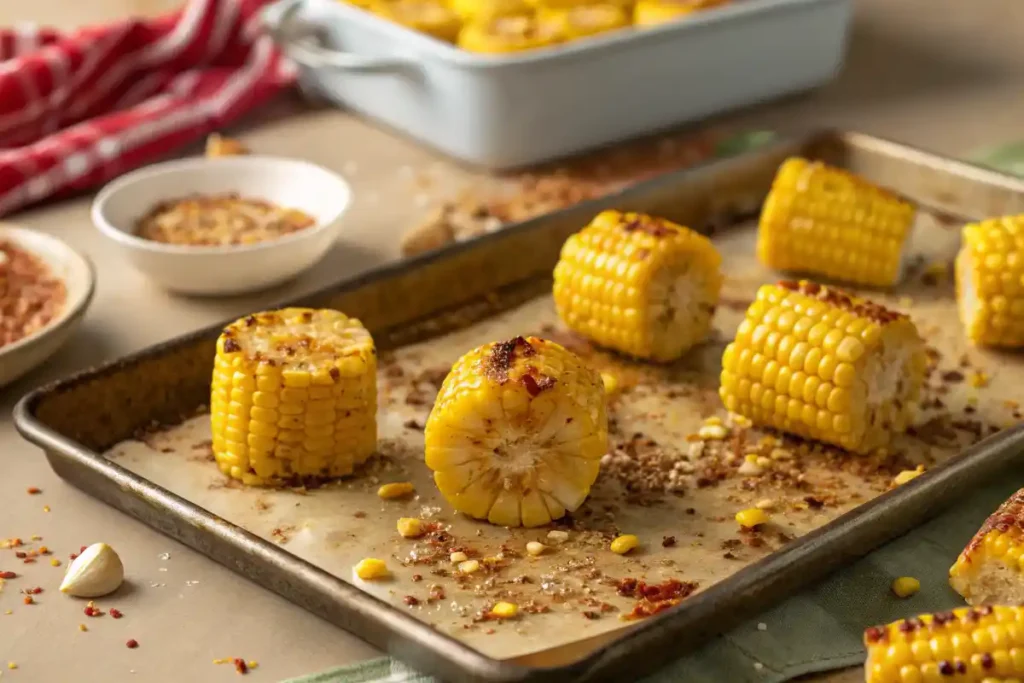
(585, 20)
(294, 396)
(653, 12)
(823, 220)
(476, 10)
(967, 645)
(638, 284)
(821, 364)
(507, 34)
(432, 17)
(990, 281)
(990, 570)
(517, 432)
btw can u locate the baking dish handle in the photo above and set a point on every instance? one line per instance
(303, 47)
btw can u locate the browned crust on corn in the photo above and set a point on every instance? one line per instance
(1009, 515)
(841, 299)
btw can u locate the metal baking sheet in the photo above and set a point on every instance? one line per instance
(303, 543)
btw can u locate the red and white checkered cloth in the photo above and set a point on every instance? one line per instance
(77, 109)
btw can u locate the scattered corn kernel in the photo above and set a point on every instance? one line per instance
(611, 384)
(12, 665)
(410, 527)
(713, 432)
(505, 610)
(54, 562)
(750, 467)
(469, 566)
(371, 569)
(557, 536)
(252, 664)
(396, 490)
(535, 548)
(908, 475)
(979, 379)
(737, 420)
(82, 627)
(713, 421)
(625, 543)
(905, 586)
(765, 504)
(458, 557)
(751, 517)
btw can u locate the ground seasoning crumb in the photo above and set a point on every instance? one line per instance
(132, 644)
(8, 575)
(240, 666)
(116, 613)
(33, 490)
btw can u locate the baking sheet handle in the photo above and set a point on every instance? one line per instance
(282, 21)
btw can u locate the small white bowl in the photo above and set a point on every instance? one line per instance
(229, 269)
(79, 282)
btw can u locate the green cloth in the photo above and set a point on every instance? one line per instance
(820, 629)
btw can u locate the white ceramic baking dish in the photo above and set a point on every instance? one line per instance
(510, 111)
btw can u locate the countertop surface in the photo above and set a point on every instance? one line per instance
(945, 75)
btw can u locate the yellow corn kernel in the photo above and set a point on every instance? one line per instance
(494, 444)
(505, 610)
(990, 290)
(469, 566)
(907, 476)
(410, 527)
(979, 379)
(396, 490)
(990, 569)
(581, 21)
(751, 517)
(535, 548)
(372, 569)
(611, 384)
(826, 221)
(432, 17)
(624, 544)
(863, 386)
(905, 586)
(270, 421)
(498, 35)
(656, 12)
(458, 557)
(638, 284)
(980, 644)
(478, 10)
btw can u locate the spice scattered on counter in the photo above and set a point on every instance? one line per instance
(132, 644)
(220, 220)
(30, 295)
(116, 613)
(33, 491)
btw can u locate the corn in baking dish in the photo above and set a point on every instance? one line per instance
(517, 432)
(822, 364)
(990, 281)
(638, 284)
(655, 12)
(990, 570)
(294, 396)
(826, 221)
(966, 645)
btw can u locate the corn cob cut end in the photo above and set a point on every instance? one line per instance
(826, 221)
(517, 432)
(990, 570)
(982, 644)
(821, 364)
(293, 397)
(640, 285)
(990, 282)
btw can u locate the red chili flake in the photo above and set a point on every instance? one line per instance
(73, 556)
(91, 611)
(240, 666)
(34, 490)
(28, 600)
(410, 600)
(35, 591)
(132, 644)
(20, 555)
(8, 575)
(29, 560)
(116, 613)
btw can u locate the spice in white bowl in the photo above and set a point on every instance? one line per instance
(31, 296)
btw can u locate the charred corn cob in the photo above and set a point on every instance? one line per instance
(507, 34)
(653, 12)
(476, 10)
(821, 364)
(968, 645)
(990, 570)
(517, 432)
(823, 220)
(638, 284)
(990, 281)
(432, 17)
(585, 20)
(294, 396)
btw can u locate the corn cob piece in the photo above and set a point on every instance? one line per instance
(821, 364)
(990, 570)
(507, 34)
(638, 284)
(823, 220)
(294, 396)
(990, 281)
(517, 432)
(585, 20)
(432, 17)
(477, 10)
(967, 645)
(654, 12)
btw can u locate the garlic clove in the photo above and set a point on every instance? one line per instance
(95, 573)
